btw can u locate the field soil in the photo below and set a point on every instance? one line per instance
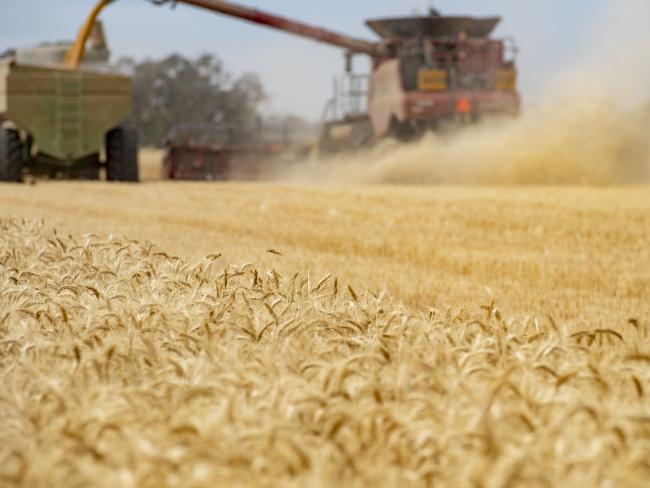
(188, 334)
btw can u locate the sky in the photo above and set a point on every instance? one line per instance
(298, 73)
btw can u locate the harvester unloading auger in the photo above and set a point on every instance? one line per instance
(426, 72)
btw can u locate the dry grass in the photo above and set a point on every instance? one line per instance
(581, 254)
(124, 366)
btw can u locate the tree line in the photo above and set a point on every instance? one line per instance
(199, 99)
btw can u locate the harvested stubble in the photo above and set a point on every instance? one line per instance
(124, 366)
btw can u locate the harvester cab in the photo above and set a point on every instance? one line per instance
(439, 71)
(444, 68)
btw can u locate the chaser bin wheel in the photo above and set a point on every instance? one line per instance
(122, 154)
(11, 155)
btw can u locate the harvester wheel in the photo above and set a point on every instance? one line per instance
(122, 154)
(11, 155)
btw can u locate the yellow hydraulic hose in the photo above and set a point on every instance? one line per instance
(74, 55)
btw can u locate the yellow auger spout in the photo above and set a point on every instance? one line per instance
(74, 55)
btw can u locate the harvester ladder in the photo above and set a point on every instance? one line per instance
(350, 97)
(69, 112)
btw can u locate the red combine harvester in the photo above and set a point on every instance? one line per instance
(427, 71)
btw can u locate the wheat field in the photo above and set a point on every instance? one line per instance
(274, 335)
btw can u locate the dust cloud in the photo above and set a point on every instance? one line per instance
(591, 127)
(585, 142)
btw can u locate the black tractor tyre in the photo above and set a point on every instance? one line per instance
(122, 154)
(11, 155)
